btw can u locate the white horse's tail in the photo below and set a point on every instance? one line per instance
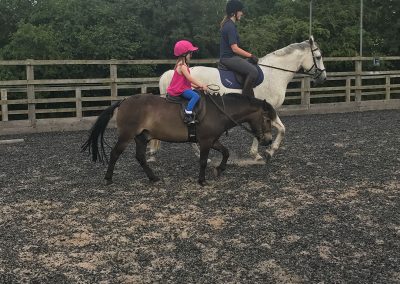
(165, 79)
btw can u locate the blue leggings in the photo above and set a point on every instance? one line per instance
(193, 98)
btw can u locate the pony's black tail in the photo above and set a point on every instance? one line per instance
(97, 133)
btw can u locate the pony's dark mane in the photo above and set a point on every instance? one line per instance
(242, 98)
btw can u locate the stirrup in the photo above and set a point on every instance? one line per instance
(189, 118)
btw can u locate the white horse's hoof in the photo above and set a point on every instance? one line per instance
(257, 157)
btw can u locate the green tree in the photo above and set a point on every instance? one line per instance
(103, 29)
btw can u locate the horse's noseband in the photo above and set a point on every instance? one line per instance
(314, 71)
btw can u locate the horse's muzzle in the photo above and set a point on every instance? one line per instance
(320, 79)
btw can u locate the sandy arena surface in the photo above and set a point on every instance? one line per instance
(326, 209)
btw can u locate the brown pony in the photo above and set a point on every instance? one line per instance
(146, 117)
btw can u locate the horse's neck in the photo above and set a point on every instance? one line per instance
(273, 89)
(290, 61)
(238, 108)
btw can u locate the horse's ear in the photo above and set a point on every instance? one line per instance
(265, 105)
(269, 110)
(311, 40)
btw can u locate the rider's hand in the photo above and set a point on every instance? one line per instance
(204, 88)
(253, 59)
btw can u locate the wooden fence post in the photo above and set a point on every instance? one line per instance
(113, 77)
(302, 92)
(358, 80)
(387, 88)
(4, 106)
(348, 90)
(78, 95)
(306, 86)
(143, 89)
(30, 90)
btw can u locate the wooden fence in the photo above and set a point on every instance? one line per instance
(25, 109)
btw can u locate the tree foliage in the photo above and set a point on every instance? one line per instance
(134, 29)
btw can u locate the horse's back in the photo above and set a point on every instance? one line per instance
(165, 80)
(146, 103)
(210, 76)
(161, 119)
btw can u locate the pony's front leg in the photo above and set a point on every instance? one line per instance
(204, 151)
(225, 155)
(277, 123)
(141, 144)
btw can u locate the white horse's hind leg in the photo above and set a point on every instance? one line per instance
(153, 146)
(254, 151)
(196, 149)
(277, 123)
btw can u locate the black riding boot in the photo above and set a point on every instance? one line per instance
(248, 87)
(189, 118)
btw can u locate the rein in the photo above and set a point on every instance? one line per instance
(286, 70)
(317, 73)
(224, 112)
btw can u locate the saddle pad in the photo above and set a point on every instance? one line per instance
(199, 109)
(228, 78)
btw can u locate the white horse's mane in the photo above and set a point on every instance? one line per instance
(291, 48)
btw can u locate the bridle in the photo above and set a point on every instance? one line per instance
(315, 72)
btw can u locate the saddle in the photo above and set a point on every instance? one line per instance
(233, 80)
(199, 112)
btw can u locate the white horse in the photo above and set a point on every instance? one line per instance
(279, 68)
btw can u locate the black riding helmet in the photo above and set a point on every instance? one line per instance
(233, 6)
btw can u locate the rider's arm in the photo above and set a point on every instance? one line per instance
(185, 72)
(237, 50)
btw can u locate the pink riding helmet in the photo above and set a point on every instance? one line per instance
(184, 46)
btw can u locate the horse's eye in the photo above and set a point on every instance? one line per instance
(318, 57)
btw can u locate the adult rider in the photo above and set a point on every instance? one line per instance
(231, 55)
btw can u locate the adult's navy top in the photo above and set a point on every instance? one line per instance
(229, 36)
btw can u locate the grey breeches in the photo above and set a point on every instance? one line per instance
(241, 66)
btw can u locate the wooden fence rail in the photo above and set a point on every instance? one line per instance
(69, 104)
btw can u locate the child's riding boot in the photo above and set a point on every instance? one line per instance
(189, 117)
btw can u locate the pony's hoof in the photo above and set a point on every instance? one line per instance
(155, 179)
(109, 181)
(203, 183)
